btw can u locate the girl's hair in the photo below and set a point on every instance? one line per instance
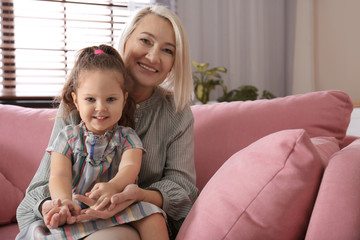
(92, 58)
(179, 80)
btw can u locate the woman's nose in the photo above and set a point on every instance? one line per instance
(153, 55)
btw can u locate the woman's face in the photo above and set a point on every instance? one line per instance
(149, 52)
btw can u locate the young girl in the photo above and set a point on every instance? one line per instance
(102, 155)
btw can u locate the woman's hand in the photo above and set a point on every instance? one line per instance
(56, 214)
(102, 192)
(118, 202)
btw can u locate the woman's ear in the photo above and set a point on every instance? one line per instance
(75, 100)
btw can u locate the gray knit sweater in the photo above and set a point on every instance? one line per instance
(167, 166)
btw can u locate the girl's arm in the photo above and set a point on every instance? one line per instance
(60, 182)
(128, 171)
(60, 177)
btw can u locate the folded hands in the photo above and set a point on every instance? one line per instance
(57, 213)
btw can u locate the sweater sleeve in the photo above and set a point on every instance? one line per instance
(38, 189)
(177, 185)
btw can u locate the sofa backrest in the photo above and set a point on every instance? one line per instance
(25, 135)
(223, 129)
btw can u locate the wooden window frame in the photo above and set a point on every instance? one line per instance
(9, 93)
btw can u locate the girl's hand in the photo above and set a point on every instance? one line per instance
(73, 208)
(119, 202)
(102, 193)
(53, 215)
(56, 214)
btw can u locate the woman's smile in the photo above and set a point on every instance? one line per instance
(149, 54)
(148, 68)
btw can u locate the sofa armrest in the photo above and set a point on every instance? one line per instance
(348, 140)
(336, 214)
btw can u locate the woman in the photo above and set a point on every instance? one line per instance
(155, 50)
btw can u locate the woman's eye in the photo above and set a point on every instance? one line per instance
(90, 99)
(144, 40)
(169, 51)
(111, 99)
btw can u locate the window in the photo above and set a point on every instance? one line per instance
(39, 39)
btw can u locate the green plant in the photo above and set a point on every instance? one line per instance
(206, 80)
(244, 93)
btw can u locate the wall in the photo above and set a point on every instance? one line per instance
(247, 37)
(329, 43)
(337, 46)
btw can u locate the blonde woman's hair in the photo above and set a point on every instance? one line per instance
(179, 80)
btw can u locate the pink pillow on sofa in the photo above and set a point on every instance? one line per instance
(21, 153)
(11, 197)
(326, 147)
(265, 191)
(331, 210)
(229, 127)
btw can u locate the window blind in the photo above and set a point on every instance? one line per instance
(39, 39)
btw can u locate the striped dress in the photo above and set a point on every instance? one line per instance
(94, 159)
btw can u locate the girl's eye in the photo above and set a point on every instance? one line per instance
(169, 51)
(111, 99)
(90, 99)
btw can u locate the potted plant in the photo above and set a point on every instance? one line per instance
(244, 93)
(206, 80)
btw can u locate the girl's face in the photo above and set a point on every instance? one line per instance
(100, 99)
(149, 52)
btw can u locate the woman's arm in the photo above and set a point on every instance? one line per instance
(177, 184)
(37, 192)
(151, 196)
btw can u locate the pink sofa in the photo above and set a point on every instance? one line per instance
(267, 169)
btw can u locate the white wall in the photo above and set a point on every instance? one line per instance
(337, 46)
(247, 37)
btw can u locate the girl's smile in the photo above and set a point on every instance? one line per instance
(100, 99)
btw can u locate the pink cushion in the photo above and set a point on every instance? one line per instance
(9, 232)
(224, 128)
(11, 196)
(27, 134)
(265, 191)
(18, 150)
(326, 147)
(337, 206)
